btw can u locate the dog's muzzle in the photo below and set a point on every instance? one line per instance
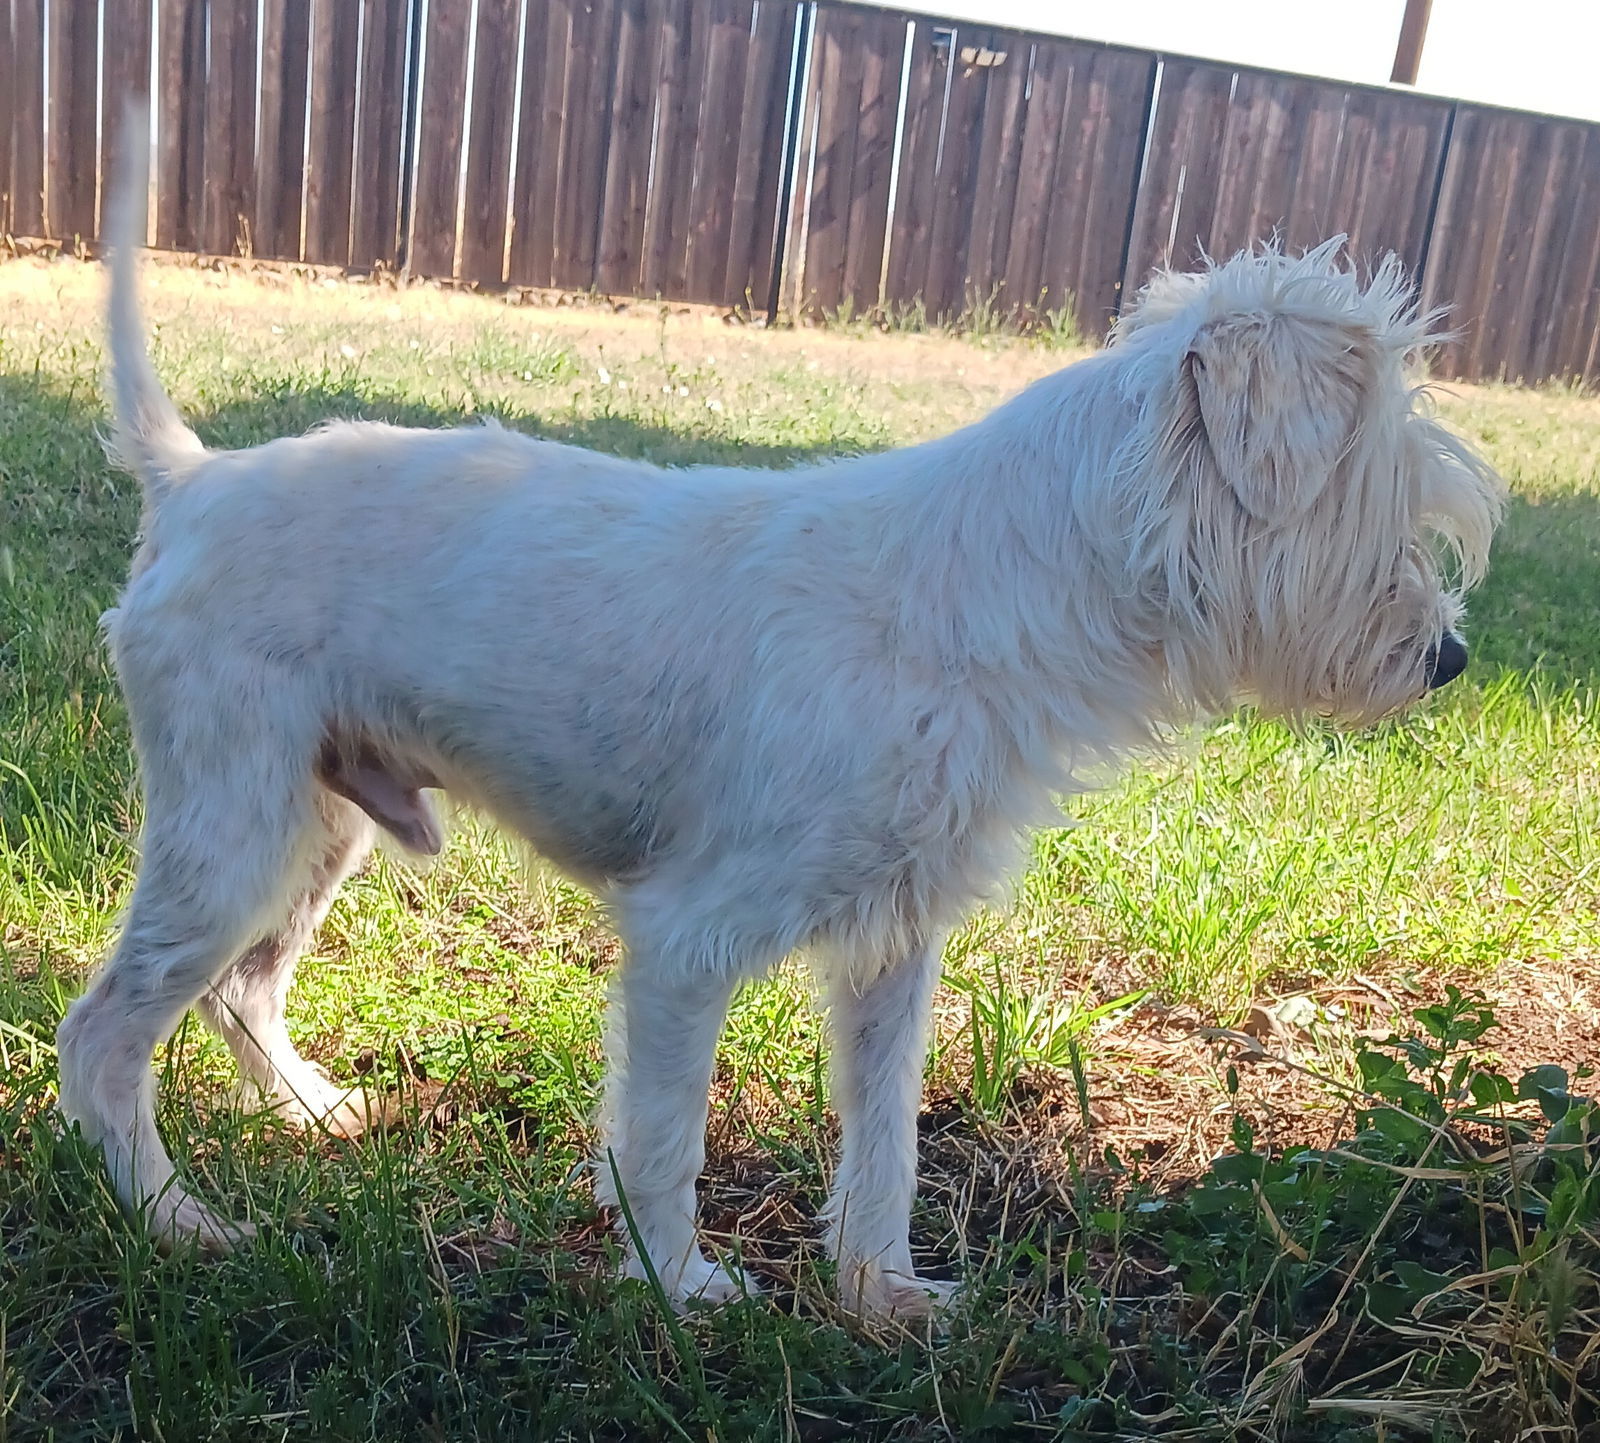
(1445, 662)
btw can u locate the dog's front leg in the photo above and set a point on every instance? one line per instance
(661, 1040)
(880, 1038)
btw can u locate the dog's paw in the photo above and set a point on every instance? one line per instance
(178, 1220)
(697, 1282)
(884, 1295)
(720, 1284)
(319, 1105)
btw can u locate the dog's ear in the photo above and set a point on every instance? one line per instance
(1279, 397)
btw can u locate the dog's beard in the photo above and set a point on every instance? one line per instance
(1334, 635)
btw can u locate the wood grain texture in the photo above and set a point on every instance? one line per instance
(126, 72)
(641, 147)
(27, 118)
(72, 170)
(280, 153)
(380, 132)
(330, 137)
(442, 122)
(489, 141)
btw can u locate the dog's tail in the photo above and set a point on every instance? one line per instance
(148, 437)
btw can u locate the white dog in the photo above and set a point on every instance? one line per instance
(755, 711)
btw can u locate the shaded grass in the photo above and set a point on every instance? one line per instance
(453, 1279)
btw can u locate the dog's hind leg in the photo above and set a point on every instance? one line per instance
(880, 1038)
(661, 1040)
(229, 818)
(245, 1006)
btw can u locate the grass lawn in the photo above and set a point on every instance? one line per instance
(1194, 1194)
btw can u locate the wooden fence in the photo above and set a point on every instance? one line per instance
(786, 155)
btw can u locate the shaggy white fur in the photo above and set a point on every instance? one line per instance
(756, 711)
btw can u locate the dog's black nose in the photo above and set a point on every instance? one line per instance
(1446, 661)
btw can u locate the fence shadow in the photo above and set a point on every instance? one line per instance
(290, 411)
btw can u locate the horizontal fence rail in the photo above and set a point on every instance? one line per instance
(798, 156)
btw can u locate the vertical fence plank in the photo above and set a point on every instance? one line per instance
(1499, 229)
(1086, 277)
(630, 146)
(230, 141)
(992, 187)
(716, 149)
(791, 290)
(927, 83)
(1441, 282)
(945, 288)
(1054, 83)
(1541, 296)
(126, 74)
(1249, 183)
(380, 132)
(1177, 201)
(1579, 356)
(538, 165)
(180, 120)
(1506, 321)
(330, 135)
(1324, 146)
(838, 43)
(867, 212)
(1514, 251)
(590, 75)
(758, 166)
(957, 138)
(8, 62)
(439, 131)
(690, 136)
(1284, 111)
(696, 187)
(855, 79)
(280, 154)
(678, 86)
(1468, 230)
(483, 235)
(27, 111)
(1093, 177)
(1572, 348)
(72, 169)
(654, 163)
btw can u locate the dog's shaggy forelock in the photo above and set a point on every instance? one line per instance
(756, 711)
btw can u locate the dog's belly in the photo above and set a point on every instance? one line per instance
(583, 825)
(585, 794)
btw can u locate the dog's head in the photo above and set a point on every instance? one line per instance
(1305, 520)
